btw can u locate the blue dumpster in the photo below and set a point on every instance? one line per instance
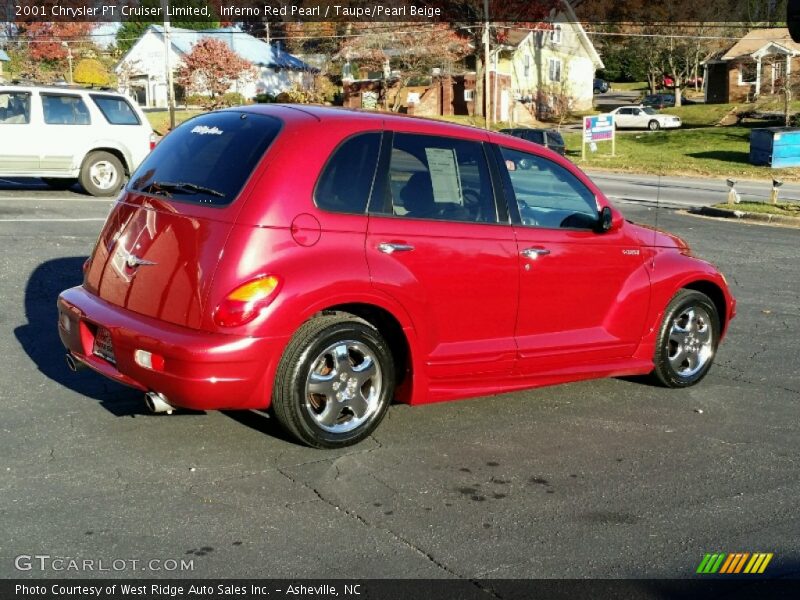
(775, 147)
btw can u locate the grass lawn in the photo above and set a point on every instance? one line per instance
(711, 152)
(159, 120)
(785, 209)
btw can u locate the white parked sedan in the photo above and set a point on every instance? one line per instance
(643, 117)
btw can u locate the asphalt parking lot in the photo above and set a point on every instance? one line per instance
(611, 478)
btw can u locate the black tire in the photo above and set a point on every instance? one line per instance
(653, 125)
(59, 183)
(668, 350)
(300, 412)
(106, 163)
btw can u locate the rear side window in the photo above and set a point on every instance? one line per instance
(15, 108)
(64, 110)
(116, 110)
(440, 178)
(345, 184)
(208, 159)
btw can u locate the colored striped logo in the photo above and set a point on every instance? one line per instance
(734, 563)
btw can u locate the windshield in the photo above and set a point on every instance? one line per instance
(208, 159)
(650, 111)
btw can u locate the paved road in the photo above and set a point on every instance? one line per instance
(611, 478)
(684, 191)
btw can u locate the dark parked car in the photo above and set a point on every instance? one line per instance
(549, 138)
(664, 101)
(392, 259)
(600, 86)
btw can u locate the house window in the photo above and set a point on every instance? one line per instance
(527, 66)
(556, 35)
(748, 73)
(469, 95)
(554, 71)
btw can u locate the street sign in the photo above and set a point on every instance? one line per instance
(598, 128)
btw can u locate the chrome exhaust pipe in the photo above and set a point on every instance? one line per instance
(72, 364)
(157, 403)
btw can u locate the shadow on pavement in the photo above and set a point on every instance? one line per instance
(261, 422)
(39, 338)
(38, 185)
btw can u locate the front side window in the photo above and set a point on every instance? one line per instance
(346, 182)
(440, 178)
(15, 108)
(64, 110)
(116, 110)
(547, 194)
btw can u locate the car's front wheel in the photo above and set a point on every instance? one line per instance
(335, 381)
(687, 340)
(653, 125)
(102, 174)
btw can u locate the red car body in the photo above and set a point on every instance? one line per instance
(471, 315)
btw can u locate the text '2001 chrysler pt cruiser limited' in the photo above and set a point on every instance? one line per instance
(322, 262)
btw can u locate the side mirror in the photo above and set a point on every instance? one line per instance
(610, 220)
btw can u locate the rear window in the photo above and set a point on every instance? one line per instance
(554, 137)
(208, 159)
(116, 110)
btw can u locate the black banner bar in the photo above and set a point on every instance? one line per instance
(761, 13)
(731, 588)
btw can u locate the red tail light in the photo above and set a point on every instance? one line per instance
(153, 141)
(244, 303)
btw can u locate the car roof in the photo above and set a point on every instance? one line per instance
(60, 88)
(300, 112)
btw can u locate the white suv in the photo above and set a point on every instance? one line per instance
(64, 134)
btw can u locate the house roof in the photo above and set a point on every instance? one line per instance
(4, 56)
(245, 45)
(564, 16)
(758, 39)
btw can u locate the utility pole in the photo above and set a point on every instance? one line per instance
(168, 66)
(486, 63)
(69, 60)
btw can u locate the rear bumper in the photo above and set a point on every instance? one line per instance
(202, 371)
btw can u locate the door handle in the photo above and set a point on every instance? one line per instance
(534, 253)
(391, 247)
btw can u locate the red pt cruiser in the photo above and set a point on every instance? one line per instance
(323, 262)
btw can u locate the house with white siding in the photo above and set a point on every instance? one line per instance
(141, 72)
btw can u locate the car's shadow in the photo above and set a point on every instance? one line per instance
(40, 341)
(33, 184)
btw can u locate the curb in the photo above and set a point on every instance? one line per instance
(740, 215)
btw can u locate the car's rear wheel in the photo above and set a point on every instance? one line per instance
(102, 174)
(59, 183)
(687, 340)
(335, 381)
(653, 125)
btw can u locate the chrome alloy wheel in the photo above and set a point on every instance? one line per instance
(104, 175)
(690, 342)
(343, 387)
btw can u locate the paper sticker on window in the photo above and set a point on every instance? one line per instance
(446, 181)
